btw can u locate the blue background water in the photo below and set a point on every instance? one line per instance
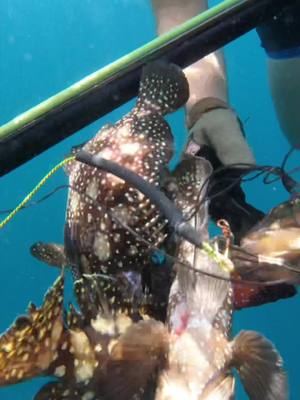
(48, 45)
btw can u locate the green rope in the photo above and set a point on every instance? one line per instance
(111, 70)
(35, 190)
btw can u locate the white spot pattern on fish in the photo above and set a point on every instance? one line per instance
(142, 142)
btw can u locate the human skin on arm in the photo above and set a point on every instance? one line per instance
(280, 37)
(207, 77)
(284, 79)
(209, 118)
(215, 131)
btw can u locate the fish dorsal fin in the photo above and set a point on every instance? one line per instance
(28, 347)
(50, 253)
(163, 88)
(260, 367)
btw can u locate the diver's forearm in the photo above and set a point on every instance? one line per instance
(284, 78)
(207, 77)
(170, 13)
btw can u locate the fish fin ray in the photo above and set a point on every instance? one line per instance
(260, 367)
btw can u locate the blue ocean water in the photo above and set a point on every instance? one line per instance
(46, 46)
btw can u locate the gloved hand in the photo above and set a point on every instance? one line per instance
(217, 135)
(213, 123)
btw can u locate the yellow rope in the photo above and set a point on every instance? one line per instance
(35, 190)
(224, 262)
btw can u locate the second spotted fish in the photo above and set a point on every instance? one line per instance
(100, 205)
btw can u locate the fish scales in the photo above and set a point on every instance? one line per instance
(100, 203)
(99, 352)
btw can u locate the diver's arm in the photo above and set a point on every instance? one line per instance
(281, 39)
(209, 118)
(207, 77)
(215, 130)
(284, 78)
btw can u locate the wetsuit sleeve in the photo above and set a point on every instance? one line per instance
(280, 36)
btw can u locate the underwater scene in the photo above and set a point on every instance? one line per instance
(161, 260)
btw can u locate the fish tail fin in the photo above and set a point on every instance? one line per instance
(163, 88)
(260, 367)
(29, 346)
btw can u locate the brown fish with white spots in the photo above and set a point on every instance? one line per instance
(271, 250)
(100, 352)
(182, 187)
(106, 351)
(201, 354)
(142, 141)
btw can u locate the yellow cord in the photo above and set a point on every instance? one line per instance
(224, 262)
(35, 190)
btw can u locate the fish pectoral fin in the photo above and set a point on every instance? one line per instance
(135, 357)
(260, 367)
(50, 253)
(144, 341)
(28, 347)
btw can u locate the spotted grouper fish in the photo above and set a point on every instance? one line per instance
(182, 186)
(270, 252)
(102, 209)
(97, 352)
(107, 350)
(201, 353)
